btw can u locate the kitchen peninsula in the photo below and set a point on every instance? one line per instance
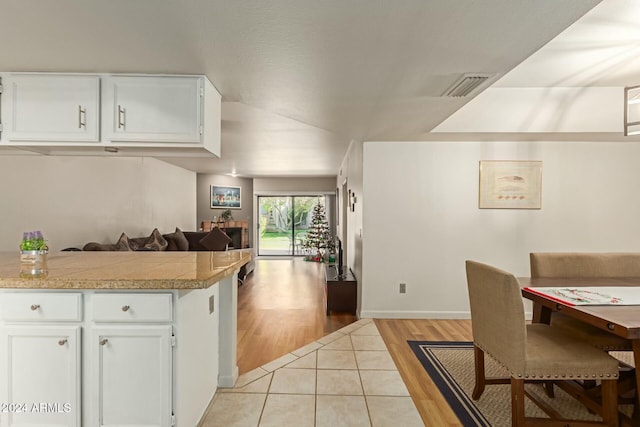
(117, 338)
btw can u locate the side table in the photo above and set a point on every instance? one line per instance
(341, 290)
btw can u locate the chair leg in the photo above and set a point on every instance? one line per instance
(480, 375)
(517, 402)
(610, 402)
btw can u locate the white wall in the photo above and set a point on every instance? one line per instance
(351, 174)
(540, 109)
(301, 186)
(74, 200)
(421, 219)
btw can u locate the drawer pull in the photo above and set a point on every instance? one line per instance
(103, 341)
(125, 308)
(34, 307)
(62, 341)
(611, 326)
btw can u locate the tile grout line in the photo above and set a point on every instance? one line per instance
(364, 396)
(266, 397)
(337, 335)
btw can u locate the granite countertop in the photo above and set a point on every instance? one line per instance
(124, 270)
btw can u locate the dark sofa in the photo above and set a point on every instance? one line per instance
(214, 240)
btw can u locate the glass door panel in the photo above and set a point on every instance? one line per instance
(276, 222)
(284, 222)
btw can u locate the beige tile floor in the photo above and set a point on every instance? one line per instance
(344, 379)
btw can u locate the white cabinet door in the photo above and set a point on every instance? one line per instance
(153, 109)
(40, 376)
(131, 376)
(38, 107)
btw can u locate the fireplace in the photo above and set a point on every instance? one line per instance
(235, 233)
(238, 231)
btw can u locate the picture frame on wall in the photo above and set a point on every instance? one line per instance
(226, 197)
(510, 184)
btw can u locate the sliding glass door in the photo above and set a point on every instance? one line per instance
(284, 221)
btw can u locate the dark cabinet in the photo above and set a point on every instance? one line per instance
(341, 290)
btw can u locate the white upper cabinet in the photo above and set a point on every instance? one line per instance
(51, 107)
(129, 114)
(162, 109)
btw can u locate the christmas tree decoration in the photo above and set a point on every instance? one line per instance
(318, 240)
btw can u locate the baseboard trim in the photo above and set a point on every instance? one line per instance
(226, 381)
(387, 314)
(384, 314)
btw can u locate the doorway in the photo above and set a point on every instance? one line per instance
(284, 222)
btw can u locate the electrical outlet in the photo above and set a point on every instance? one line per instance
(403, 288)
(212, 304)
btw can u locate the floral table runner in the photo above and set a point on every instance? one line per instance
(599, 295)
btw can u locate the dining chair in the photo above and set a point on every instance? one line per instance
(587, 265)
(531, 352)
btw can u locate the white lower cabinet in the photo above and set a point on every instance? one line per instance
(40, 376)
(119, 375)
(96, 358)
(132, 376)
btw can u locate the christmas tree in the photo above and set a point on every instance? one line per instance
(318, 239)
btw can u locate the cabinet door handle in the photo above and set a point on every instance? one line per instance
(121, 117)
(34, 307)
(62, 341)
(82, 115)
(103, 341)
(125, 308)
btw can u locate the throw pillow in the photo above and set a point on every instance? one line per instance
(156, 242)
(176, 241)
(123, 243)
(171, 244)
(136, 243)
(215, 240)
(95, 246)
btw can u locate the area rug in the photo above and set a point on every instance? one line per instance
(451, 367)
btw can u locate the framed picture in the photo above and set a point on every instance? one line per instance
(510, 184)
(225, 197)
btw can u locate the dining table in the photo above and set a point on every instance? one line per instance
(617, 318)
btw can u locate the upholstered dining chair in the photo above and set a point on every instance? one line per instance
(530, 352)
(588, 265)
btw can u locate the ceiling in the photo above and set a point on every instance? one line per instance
(301, 79)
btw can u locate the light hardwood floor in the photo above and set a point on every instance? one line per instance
(280, 309)
(432, 407)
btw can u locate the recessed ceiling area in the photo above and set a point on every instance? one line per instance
(301, 79)
(571, 89)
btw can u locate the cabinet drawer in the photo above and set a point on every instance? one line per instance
(122, 307)
(41, 306)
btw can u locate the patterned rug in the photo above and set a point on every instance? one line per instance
(451, 367)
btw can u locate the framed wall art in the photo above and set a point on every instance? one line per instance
(515, 184)
(225, 197)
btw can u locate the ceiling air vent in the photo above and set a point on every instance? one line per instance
(466, 84)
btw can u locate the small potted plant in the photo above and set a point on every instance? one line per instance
(33, 241)
(33, 249)
(226, 216)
